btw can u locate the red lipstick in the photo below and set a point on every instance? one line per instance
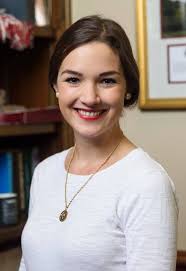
(90, 115)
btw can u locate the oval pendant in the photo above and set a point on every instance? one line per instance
(63, 215)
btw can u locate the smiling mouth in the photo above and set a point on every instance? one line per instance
(90, 114)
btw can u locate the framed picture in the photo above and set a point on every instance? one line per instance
(37, 12)
(173, 18)
(161, 29)
(42, 12)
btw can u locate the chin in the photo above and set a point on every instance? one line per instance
(89, 134)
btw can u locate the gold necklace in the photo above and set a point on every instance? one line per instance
(64, 213)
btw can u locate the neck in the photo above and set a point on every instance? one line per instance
(90, 153)
(91, 150)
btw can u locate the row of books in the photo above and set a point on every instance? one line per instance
(16, 170)
(11, 114)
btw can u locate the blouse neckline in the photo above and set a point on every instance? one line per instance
(107, 169)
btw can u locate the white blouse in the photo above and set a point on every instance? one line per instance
(125, 219)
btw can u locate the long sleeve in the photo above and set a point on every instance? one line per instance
(22, 265)
(149, 221)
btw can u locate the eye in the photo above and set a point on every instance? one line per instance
(72, 80)
(108, 81)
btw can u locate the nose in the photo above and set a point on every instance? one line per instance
(89, 94)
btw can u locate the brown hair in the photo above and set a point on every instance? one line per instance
(96, 28)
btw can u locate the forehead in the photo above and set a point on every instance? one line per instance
(93, 56)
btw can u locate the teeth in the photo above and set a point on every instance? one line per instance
(89, 114)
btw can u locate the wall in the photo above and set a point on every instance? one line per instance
(162, 134)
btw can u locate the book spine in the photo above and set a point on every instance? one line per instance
(9, 172)
(42, 115)
(27, 175)
(6, 172)
(20, 180)
(11, 117)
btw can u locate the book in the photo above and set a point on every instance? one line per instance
(8, 209)
(33, 115)
(6, 172)
(35, 158)
(27, 164)
(30, 159)
(16, 171)
(19, 178)
(24, 161)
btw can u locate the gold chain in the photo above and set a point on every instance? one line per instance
(64, 214)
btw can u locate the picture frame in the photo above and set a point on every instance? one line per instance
(161, 55)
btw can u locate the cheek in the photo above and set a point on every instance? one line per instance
(63, 102)
(115, 98)
(66, 96)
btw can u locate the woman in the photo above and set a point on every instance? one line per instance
(104, 204)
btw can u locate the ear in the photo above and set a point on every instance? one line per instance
(128, 96)
(56, 91)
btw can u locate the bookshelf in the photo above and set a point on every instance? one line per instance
(44, 32)
(181, 261)
(26, 129)
(12, 234)
(24, 75)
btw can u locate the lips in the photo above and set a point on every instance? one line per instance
(90, 114)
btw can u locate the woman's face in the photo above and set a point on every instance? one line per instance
(90, 88)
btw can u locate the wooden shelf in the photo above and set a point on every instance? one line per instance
(27, 84)
(12, 233)
(26, 129)
(44, 32)
(181, 259)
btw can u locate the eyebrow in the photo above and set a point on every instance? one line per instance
(72, 72)
(101, 74)
(109, 73)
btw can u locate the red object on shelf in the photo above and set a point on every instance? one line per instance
(29, 116)
(20, 34)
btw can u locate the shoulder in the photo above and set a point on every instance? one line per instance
(48, 172)
(146, 183)
(51, 163)
(147, 176)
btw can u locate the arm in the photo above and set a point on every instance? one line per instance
(149, 223)
(22, 265)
